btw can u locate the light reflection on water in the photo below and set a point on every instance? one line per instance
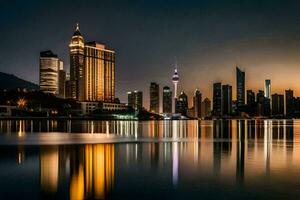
(229, 159)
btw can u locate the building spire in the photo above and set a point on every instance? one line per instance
(176, 65)
(77, 26)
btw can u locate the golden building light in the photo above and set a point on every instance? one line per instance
(49, 72)
(92, 70)
(21, 103)
(77, 65)
(99, 73)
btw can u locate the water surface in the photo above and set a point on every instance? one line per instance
(234, 159)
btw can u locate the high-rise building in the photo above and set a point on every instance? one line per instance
(277, 104)
(135, 99)
(197, 100)
(175, 80)
(77, 81)
(226, 100)
(240, 87)
(61, 80)
(268, 88)
(289, 103)
(99, 73)
(217, 99)
(205, 108)
(182, 104)
(263, 103)
(251, 104)
(92, 70)
(167, 100)
(250, 97)
(49, 72)
(154, 97)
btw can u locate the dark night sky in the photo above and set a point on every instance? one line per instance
(208, 37)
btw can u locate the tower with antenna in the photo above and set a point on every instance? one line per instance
(175, 80)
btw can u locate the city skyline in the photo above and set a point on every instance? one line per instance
(267, 50)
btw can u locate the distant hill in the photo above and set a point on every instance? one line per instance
(11, 82)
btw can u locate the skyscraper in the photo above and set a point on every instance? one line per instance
(61, 80)
(154, 97)
(77, 81)
(175, 80)
(49, 72)
(135, 99)
(250, 97)
(217, 99)
(205, 108)
(251, 105)
(167, 100)
(289, 103)
(268, 88)
(92, 70)
(277, 104)
(226, 100)
(263, 104)
(197, 99)
(99, 73)
(240, 87)
(182, 104)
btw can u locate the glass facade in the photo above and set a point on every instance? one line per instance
(154, 97)
(167, 100)
(77, 65)
(240, 87)
(92, 70)
(99, 73)
(49, 72)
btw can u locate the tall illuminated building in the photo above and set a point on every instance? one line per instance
(167, 100)
(240, 87)
(49, 72)
(268, 88)
(154, 97)
(92, 70)
(61, 80)
(175, 80)
(77, 81)
(197, 100)
(99, 73)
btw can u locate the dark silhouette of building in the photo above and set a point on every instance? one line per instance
(250, 97)
(167, 100)
(263, 104)
(197, 99)
(135, 99)
(217, 99)
(251, 104)
(154, 97)
(277, 104)
(289, 103)
(226, 100)
(62, 81)
(182, 104)
(205, 108)
(240, 88)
